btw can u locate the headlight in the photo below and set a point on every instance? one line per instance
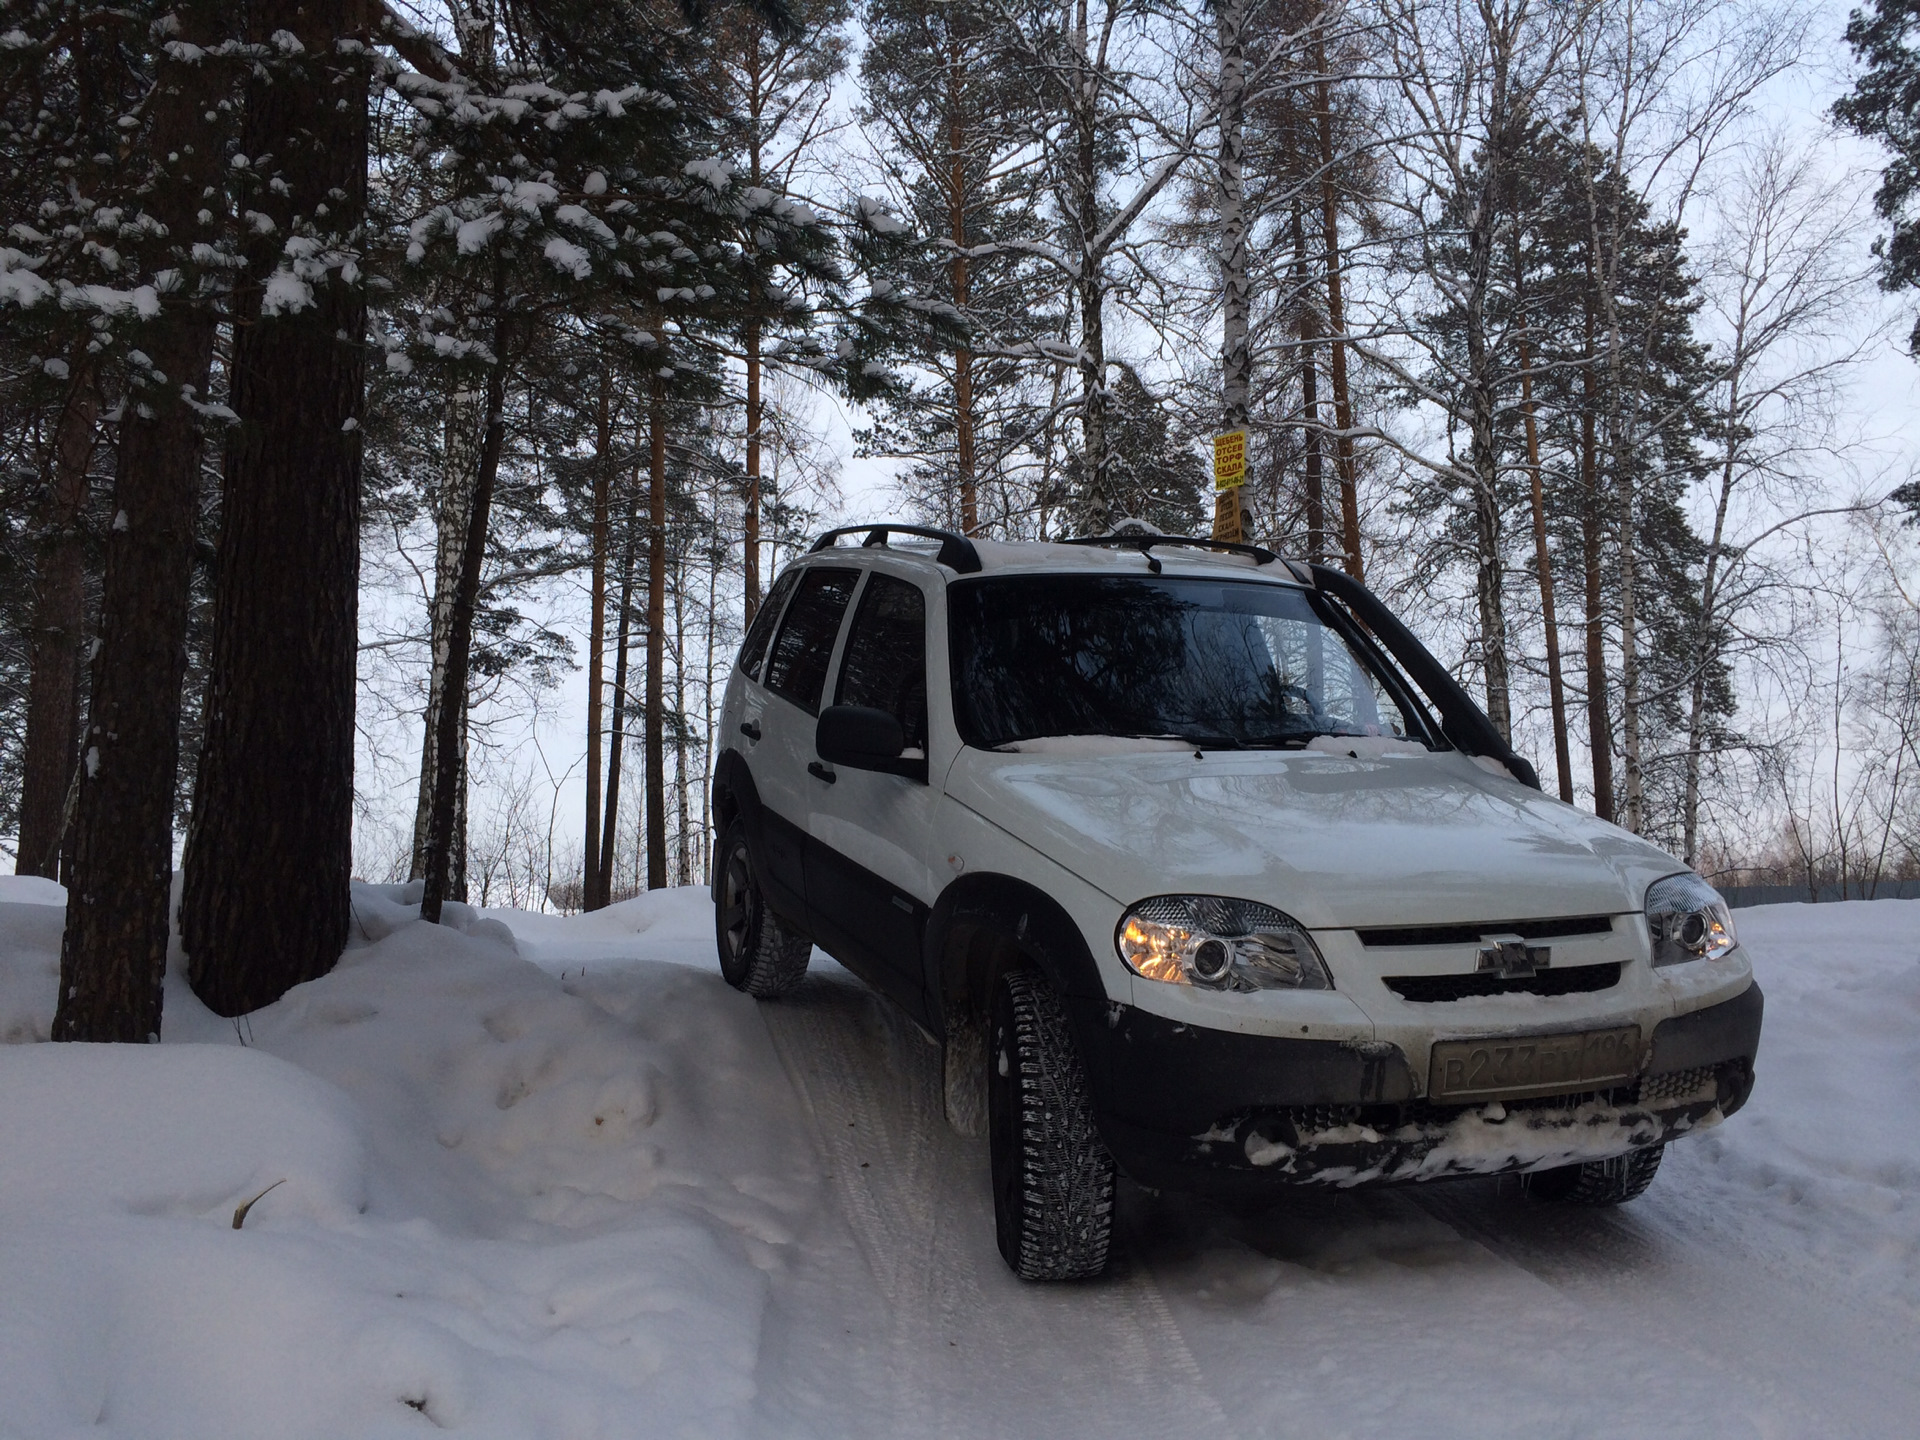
(1688, 920)
(1219, 944)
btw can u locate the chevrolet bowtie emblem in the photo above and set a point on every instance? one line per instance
(1510, 955)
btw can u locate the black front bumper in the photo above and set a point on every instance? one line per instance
(1187, 1108)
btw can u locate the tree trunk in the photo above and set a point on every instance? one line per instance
(755, 414)
(706, 704)
(1482, 400)
(1337, 326)
(113, 953)
(1634, 817)
(1556, 689)
(1599, 723)
(683, 858)
(1310, 434)
(442, 823)
(270, 854)
(616, 742)
(466, 423)
(592, 896)
(1709, 604)
(963, 436)
(1090, 287)
(1236, 358)
(59, 622)
(656, 630)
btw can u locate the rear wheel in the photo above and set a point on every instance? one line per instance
(1052, 1175)
(759, 952)
(1597, 1182)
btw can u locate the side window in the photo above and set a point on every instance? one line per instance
(797, 668)
(886, 657)
(765, 618)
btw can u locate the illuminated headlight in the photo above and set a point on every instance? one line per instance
(1219, 944)
(1688, 920)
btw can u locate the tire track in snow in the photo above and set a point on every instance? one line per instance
(974, 1351)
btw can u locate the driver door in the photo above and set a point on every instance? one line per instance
(868, 884)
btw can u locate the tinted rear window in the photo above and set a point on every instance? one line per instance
(797, 668)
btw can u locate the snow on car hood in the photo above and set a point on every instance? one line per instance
(1334, 840)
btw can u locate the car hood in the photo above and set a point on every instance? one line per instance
(1335, 840)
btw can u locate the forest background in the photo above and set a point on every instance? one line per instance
(354, 357)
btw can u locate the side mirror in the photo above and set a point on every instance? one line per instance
(859, 737)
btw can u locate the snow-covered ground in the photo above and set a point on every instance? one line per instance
(536, 1177)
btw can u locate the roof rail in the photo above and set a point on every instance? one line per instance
(1144, 543)
(956, 550)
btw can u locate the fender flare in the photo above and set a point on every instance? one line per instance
(1017, 918)
(735, 796)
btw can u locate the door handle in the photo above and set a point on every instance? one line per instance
(820, 772)
(750, 729)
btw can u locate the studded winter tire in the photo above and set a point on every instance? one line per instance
(1597, 1182)
(1052, 1175)
(759, 952)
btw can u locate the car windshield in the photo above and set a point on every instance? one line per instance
(1221, 664)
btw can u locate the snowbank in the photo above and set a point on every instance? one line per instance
(29, 960)
(504, 1210)
(1825, 1160)
(31, 890)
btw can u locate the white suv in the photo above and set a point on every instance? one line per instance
(1203, 870)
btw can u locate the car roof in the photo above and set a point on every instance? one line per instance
(936, 550)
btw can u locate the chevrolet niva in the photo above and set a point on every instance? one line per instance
(1202, 870)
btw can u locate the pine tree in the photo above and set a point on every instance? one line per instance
(133, 236)
(958, 125)
(768, 84)
(1884, 105)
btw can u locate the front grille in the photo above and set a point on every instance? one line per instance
(1572, 980)
(1470, 934)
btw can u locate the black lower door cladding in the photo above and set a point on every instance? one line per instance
(864, 921)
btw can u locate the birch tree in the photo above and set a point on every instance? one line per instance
(1660, 87)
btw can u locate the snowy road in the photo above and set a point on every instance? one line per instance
(1458, 1309)
(603, 1195)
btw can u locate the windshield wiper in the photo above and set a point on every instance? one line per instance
(1291, 740)
(1202, 742)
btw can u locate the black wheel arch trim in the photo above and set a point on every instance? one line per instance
(734, 796)
(1018, 913)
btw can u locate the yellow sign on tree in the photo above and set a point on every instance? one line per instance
(1230, 460)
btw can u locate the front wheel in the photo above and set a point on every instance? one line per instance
(1597, 1182)
(1052, 1175)
(759, 952)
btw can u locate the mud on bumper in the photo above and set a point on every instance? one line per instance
(1185, 1109)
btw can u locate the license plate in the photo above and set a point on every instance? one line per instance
(1513, 1066)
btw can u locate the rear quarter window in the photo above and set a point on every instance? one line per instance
(754, 649)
